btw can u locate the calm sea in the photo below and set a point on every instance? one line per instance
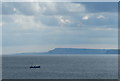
(60, 67)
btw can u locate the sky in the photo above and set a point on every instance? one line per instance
(42, 26)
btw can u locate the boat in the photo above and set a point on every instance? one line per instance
(35, 66)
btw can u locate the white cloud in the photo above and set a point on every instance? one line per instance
(85, 17)
(63, 20)
(72, 7)
(26, 22)
(1, 24)
(14, 9)
(100, 17)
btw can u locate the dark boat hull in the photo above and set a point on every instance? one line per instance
(34, 66)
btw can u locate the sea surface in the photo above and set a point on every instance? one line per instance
(60, 67)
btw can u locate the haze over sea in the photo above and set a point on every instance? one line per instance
(63, 66)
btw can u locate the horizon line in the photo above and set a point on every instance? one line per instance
(58, 47)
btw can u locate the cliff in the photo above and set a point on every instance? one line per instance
(82, 51)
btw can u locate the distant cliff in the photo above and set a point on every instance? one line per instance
(75, 51)
(82, 51)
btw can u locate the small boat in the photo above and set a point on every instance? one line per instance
(35, 66)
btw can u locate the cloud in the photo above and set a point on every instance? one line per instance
(100, 17)
(47, 8)
(1, 24)
(61, 14)
(63, 20)
(26, 22)
(19, 8)
(50, 8)
(85, 18)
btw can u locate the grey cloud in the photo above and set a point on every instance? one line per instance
(25, 8)
(47, 8)
(7, 8)
(45, 13)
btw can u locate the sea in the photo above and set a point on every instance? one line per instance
(57, 66)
